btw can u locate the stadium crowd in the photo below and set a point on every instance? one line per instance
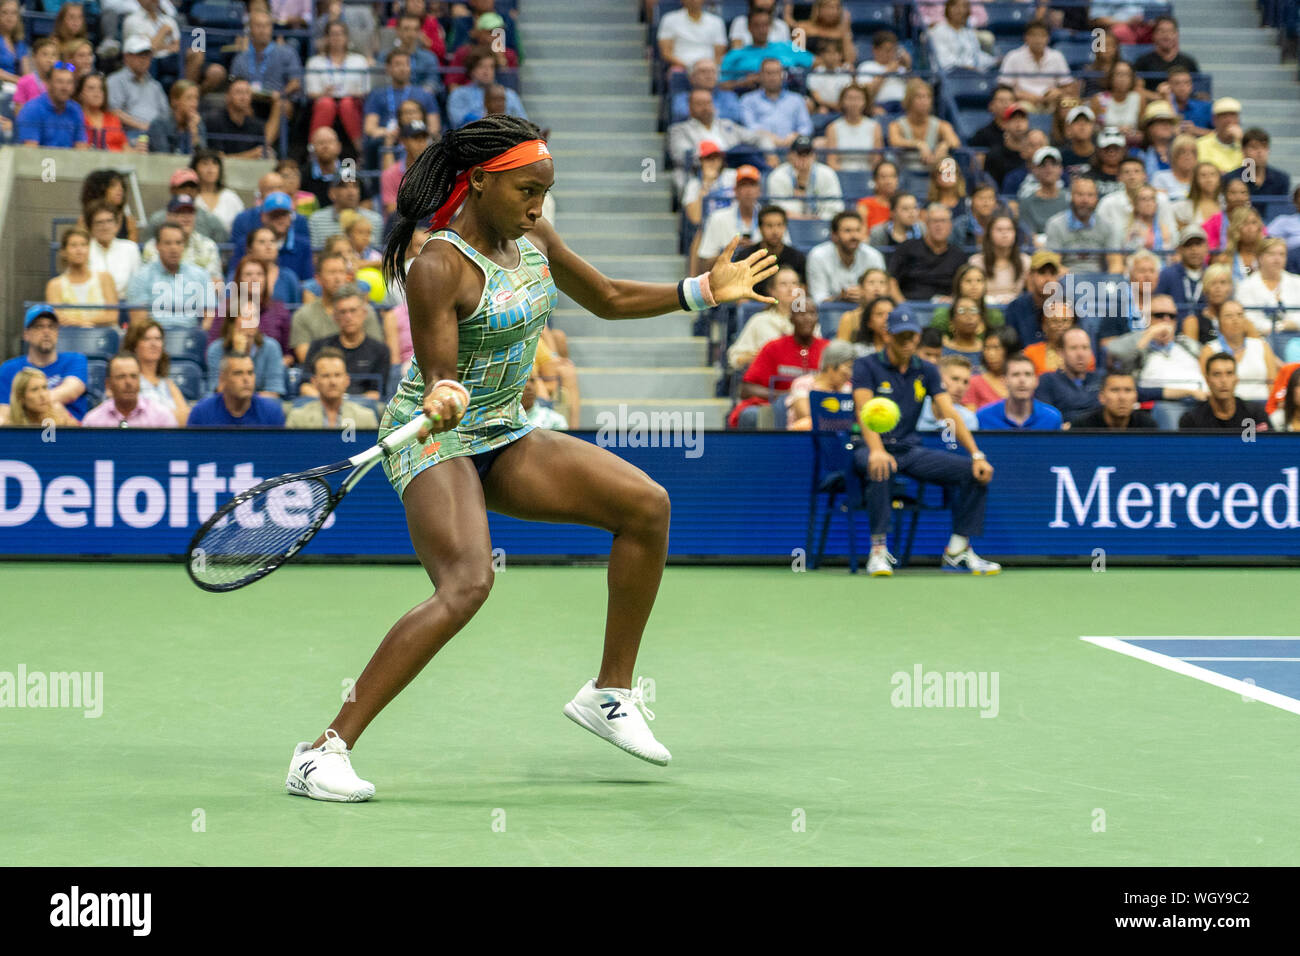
(1018, 173)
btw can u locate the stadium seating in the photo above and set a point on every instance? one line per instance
(189, 378)
(96, 376)
(92, 343)
(189, 344)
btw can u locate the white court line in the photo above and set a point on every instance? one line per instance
(1280, 660)
(1252, 691)
(1195, 637)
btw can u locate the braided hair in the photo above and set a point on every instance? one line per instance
(428, 181)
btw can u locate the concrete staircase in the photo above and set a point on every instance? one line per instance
(1245, 59)
(586, 77)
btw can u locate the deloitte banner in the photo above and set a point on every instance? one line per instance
(144, 492)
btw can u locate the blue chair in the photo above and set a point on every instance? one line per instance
(293, 376)
(96, 376)
(1008, 19)
(1077, 53)
(970, 121)
(188, 344)
(219, 16)
(833, 471)
(968, 89)
(189, 378)
(867, 18)
(92, 343)
(806, 233)
(829, 315)
(855, 183)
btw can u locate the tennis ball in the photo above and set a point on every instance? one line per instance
(375, 279)
(880, 415)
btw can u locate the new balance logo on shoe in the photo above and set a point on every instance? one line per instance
(613, 706)
(307, 768)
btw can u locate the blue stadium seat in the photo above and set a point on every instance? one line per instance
(92, 343)
(968, 89)
(829, 315)
(218, 16)
(96, 375)
(821, 120)
(1077, 53)
(855, 183)
(806, 233)
(293, 377)
(190, 344)
(867, 18)
(1008, 19)
(189, 378)
(1042, 122)
(969, 122)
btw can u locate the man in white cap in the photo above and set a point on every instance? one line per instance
(1159, 122)
(1048, 198)
(135, 97)
(1080, 141)
(1222, 148)
(1104, 168)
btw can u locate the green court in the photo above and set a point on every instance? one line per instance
(774, 690)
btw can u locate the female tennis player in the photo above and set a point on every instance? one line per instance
(479, 292)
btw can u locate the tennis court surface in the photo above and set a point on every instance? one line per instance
(814, 718)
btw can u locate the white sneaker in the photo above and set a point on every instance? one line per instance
(968, 562)
(325, 772)
(881, 563)
(616, 715)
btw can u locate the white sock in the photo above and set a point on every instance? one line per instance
(958, 543)
(878, 542)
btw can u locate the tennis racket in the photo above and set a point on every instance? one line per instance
(260, 529)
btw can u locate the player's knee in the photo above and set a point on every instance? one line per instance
(468, 593)
(652, 509)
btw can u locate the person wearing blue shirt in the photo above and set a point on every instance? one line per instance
(236, 404)
(423, 68)
(1263, 179)
(1182, 280)
(276, 212)
(778, 112)
(481, 68)
(898, 374)
(65, 372)
(1020, 411)
(739, 67)
(268, 66)
(53, 119)
(1074, 390)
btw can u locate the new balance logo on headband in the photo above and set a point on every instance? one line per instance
(542, 150)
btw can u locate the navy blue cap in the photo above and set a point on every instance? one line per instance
(37, 311)
(901, 319)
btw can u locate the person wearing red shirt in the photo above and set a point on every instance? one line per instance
(781, 361)
(434, 40)
(1278, 393)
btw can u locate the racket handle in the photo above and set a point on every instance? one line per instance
(404, 435)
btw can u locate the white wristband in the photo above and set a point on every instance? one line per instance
(452, 384)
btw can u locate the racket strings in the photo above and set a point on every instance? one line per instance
(260, 533)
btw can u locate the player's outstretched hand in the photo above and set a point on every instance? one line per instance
(444, 408)
(730, 281)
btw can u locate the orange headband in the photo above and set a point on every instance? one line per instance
(526, 153)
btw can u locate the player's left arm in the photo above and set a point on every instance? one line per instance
(629, 299)
(942, 404)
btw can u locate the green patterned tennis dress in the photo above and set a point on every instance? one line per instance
(497, 345)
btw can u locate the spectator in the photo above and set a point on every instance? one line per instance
(772, 229)
(175, 293)
(1024, 313)
(739, 35)
(382, 127)
(185, 182)
(971, 282)
(294, 254)
(1132, 311)
(713, 181)
(990, 134)
(1080, 228)
(883, 74)
(65, 372)
(120, 258)
(769, 324)
(53, 119)
(180, 129)
(829, 78)
(779, 114)
(1167, 360)
(1125, 20)
(969, 227)
(1047, 198)
(1119, 106)
(200, 251)
(875, 209)
(414, 140)
(1116, 407)
(103, 128)
(919, 130)
(1166, 54)
(337, 82)
(1147, 226)
(324, 166)
(29, 402)
(1223, 147)
(1018, 181)
(741, 68)
(124, 405)
(241, 335)
(828, 27)
(251, 288)
(15, 57)
(1072, 388)
(740, 218)
(1270, 294)
(924, 268)
(81, 54)
(360, 233)
(835, 374)
(358, 18)
(1020, 411)
(989, 384)
(1263, 179)
(344, 193)
(1256, 365)
(271, 68)
(835, 266)
(1245, 233)
(316, 320)
(781, 361)
(1182, 280)
(1039, 74)
(930, 348)
(1194, 114)
(947, 187)
(691, 34)
(1157, 127)
(45, 53)
(955, 370)
(1001, 260)
(1236, 205)
(133, 94)
(281, 285)
(904, 223)
(1216, 289)
(331, 410)
(1104, 169)
(1283, 405)
(803, 187)
(423, 67)
(367, 358)
(432, 37)
(540, 415)
(704, 76)
(1080, 150)
(210, 192)
(69, 26)
(1176, 181)
(966, 325)
(1204, 200)
(162, 32)
(146, 341)
(468, 102)
(1046, 354)
(80, 285)
(874, 285)
(234, 402)
(237, 133)
(955, 44)
(1223, 409)
(855, 130)
(1009, 152)
(893, 374)
(1287, 225)
(704, 125)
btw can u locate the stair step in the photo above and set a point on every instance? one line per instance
(603, 13)
(606, 382)
(573, 81)
(708, 413)
(613, 122)
(577, 322)
(576, 202)
(608, 351)
(647, 143)
(601, 101)
(596, 45)
(631, 244)
(538, 31)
